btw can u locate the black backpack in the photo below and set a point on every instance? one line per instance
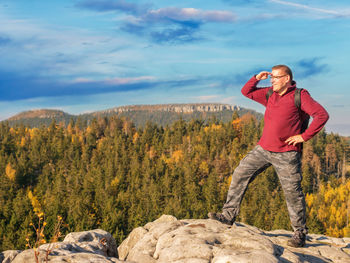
(305, 118)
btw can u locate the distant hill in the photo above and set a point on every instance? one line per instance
(37, 118)
(161, 114)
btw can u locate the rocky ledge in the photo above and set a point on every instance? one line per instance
(168, 239)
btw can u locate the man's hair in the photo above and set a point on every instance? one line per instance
(286, 69)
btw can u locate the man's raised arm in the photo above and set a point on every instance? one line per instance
(251, 91)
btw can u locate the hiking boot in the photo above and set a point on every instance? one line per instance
(297, 240)
(220, 217)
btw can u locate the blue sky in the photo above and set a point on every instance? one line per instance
(86, 55)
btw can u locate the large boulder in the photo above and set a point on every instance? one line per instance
(168, 239)
(202, 241)
(80, 247)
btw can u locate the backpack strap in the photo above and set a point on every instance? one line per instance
(305, 118)
(269, 93)
(297, 100)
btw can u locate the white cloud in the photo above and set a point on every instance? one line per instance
(206, 98)
(184, 14)
(116, 81)
(312, 9)
(229, 100)
(61, 51)
(216, 98)
(121, 81)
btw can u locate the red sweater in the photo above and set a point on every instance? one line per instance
(282, 117)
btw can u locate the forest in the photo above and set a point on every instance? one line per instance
(112, 175)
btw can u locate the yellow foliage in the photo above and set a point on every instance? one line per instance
(152, 152)
(335, 232)
(236, 122)
(204, 168)
(33, 132)
(333, 210)
(328, 196)
(323, 213)
(309, 198)
(346, 231)
(201, 150)
(88, 129)
(77, 138)
(163, 157)
(322, 189)
(344, 192)
(216, 127)
(10, 172)
(213, 127)
(115, 181)
(332, 207)
(35, 203)
(237, 125)
(340, 217)
(23, 142)
(101, 142)
(69, 129)
(177, 156)
(228, 181)
(135, 137)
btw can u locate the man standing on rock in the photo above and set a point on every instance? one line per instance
(280, 145)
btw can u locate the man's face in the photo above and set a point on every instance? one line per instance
(279, 80)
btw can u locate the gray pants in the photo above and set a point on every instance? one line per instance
(288, 168)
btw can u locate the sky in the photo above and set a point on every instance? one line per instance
(86, 55)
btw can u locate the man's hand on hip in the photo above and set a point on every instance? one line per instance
(294, 140)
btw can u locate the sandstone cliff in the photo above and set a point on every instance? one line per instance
(168, 239)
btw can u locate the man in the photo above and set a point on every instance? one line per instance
(280, 145)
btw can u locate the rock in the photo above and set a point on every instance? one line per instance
(202, 241)
(168, 239)
(80, 247)
(142, 250)
(105, 242)
(130, 242)
(9, 255)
